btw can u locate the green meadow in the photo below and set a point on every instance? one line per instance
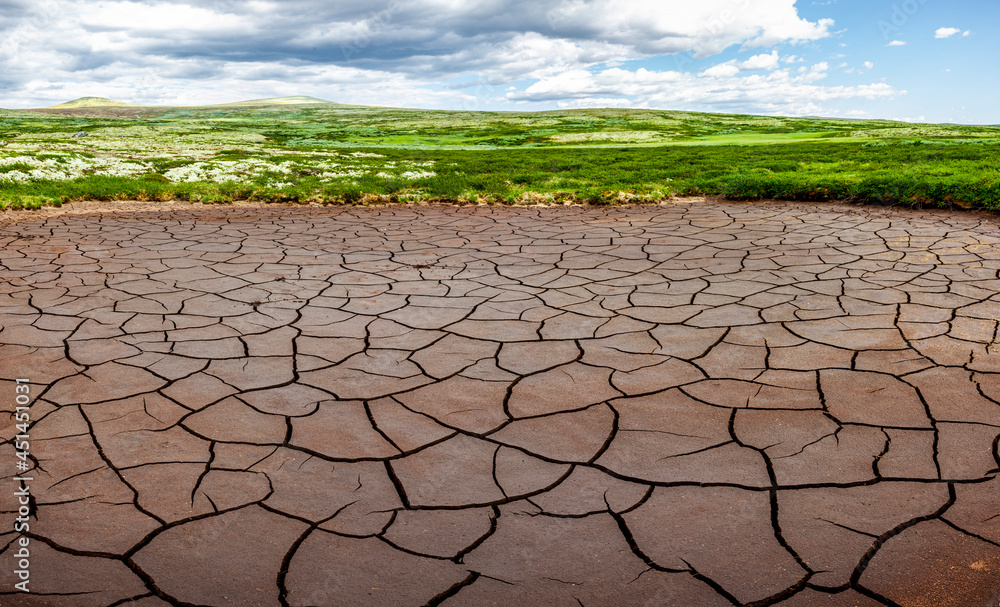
(304, 150)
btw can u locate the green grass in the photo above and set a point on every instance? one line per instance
(347, 154)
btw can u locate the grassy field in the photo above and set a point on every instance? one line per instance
(299, 149)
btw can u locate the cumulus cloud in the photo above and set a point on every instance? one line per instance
(761, 62)
(897, 43)
(723, 70)
(166, 83)
(706, 27)
(427, 53)
(422, 35)
(778, 91)
(948, 32)
(733, 67)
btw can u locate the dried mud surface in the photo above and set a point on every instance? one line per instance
(692, 404)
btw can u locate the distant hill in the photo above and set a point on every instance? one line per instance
(100, 107)
(86, 103)
(296, 100)
(90, 102)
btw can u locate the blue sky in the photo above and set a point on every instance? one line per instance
(947, 79)
(918, 60)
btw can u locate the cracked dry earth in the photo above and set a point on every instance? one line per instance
(684, 405)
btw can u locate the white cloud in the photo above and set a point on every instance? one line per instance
(192, 42)
(143, 19)
(572, 53)
(706, 27)
(733, 67)
(946, 32)
(869, 65)
(723, 70)
(776, 92)
(897, 43)
(162, 82)
(596, 102)
(761, 62)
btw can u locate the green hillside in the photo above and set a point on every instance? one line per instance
(307, 149)
(90, 102)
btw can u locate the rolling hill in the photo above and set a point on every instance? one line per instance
(90, 102)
